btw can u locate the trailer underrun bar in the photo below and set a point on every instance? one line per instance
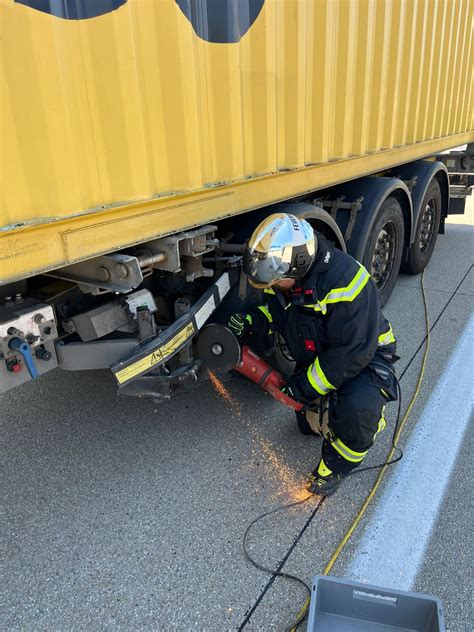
(169, 342)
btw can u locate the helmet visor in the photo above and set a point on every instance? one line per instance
(265, 268)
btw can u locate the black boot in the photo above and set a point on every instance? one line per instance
(323, 481)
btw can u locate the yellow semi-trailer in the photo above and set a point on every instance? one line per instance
(134, 133)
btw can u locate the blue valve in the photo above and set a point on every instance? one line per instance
(17, 344)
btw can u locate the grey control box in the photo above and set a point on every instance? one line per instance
(33, 325)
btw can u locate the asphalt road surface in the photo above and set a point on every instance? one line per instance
(120, 514)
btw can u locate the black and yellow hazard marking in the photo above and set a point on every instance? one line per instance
(158, 356)
(157, 351)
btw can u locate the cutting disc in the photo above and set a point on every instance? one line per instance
(218, 348)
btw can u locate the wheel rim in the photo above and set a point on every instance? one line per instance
(384, 255)
(427, 226)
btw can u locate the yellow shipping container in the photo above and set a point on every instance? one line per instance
(119, 126)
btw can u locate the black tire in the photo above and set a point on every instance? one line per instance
(280, 358)
(384, 249)
(426, 232)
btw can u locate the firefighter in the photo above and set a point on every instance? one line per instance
(327, 309)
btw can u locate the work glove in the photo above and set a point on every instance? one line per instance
(295, 388)
(291, 390)
(240, 324)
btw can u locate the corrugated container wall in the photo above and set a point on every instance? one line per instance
(107, 103)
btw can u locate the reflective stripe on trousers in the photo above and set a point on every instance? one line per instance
(351, 455)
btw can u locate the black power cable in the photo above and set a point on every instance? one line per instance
(270, 571)
(399, 424)
(278, 572)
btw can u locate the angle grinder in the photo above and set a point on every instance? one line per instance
(220, 350)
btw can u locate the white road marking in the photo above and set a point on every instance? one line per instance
(392, 546)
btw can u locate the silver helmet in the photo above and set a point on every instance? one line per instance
(281, 247)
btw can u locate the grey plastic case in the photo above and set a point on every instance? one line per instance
(341, 605)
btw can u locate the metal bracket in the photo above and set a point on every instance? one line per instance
(459, 191)
(164, 387)
(107, 273)
(182, 306)
(243, 284)
(356, 206)
(411, 183)
(183, 251)
(95, 354)
(459, 162)
(334, 205)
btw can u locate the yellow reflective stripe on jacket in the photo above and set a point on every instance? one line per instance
(351, 291)
(318, 380)
(347, 453)
(268, 290)
(387, 338)
(264, 310)
(318, 307)
(343, 294)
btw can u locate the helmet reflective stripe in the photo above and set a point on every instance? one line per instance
(282, 246)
